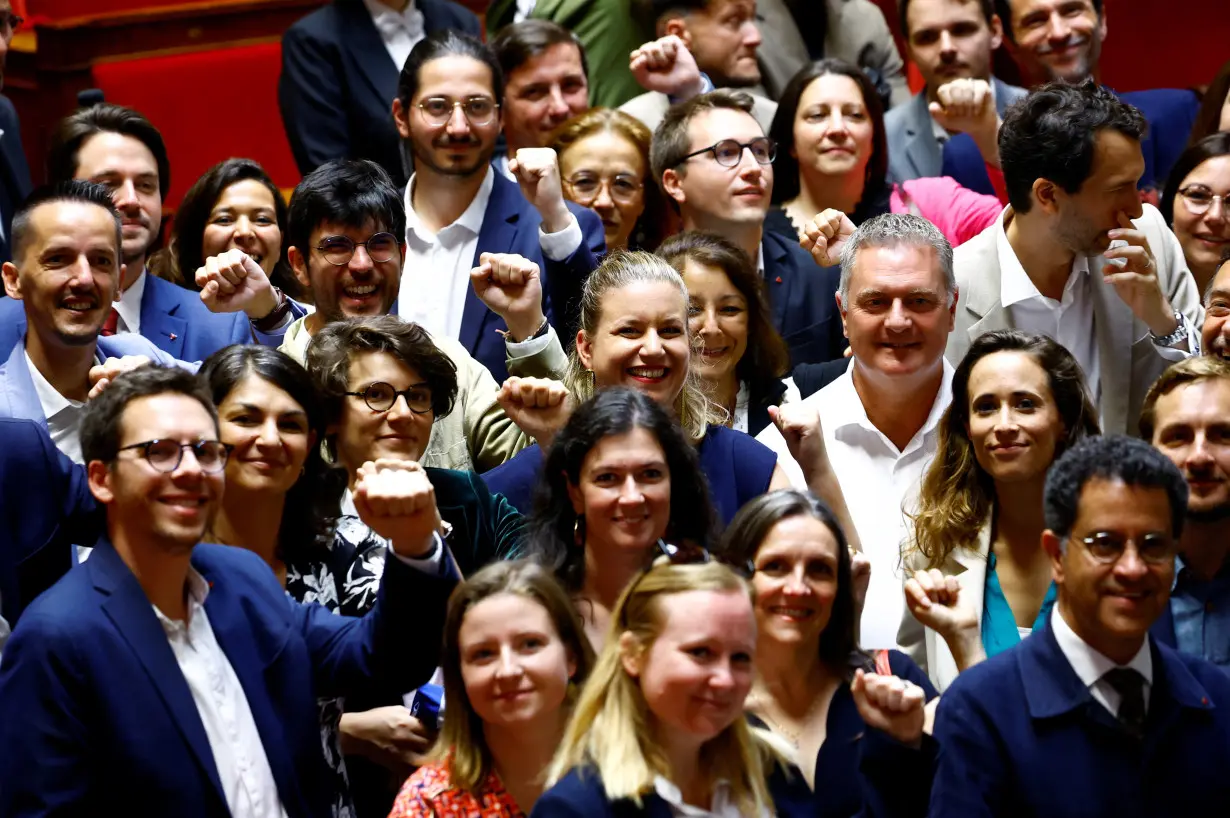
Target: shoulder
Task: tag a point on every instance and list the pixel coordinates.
(25, 442)
(580, 792)
(242, 569)
(906, 668)
(429, 782)
(857, 14)
(1161, 103)
(993, 680)
(722, 438)
(649, 104)
(444, 14)
(321, 24)
(68, 608)
(455, 487)
(978, 250)
(8, 113)
(130, 343)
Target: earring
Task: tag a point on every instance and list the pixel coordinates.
(578, 531)
(593, 382)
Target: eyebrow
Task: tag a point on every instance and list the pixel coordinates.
(252, 407)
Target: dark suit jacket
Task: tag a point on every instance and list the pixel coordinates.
(14, 174)
(811, 378)
(801, 295)
(338, 83)
(45, 507)
(92, 694)
(1020, 735)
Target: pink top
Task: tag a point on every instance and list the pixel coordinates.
(430, 794)
(959, 213)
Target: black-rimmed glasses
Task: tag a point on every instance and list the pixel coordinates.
(439, 110)
(1108, 547)
(339, 250)
(166, 455)
(729, 152)
(381, 396)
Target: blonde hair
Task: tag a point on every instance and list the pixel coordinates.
(611, 724)
(1190, 370)
(620, 269)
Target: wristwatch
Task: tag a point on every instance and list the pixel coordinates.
(1179, 334)
(274, 319)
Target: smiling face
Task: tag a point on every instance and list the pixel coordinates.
(1204, 235)
(1014, 423)
(1215, 334)
(724, 39)
(641, 341)
(542, 94)
(711, 196)
(457, 147)
(617, 167)
(795, 581)
(1060, 38)
(269, 430)
(514, 665)
(832, 131)
(1192, 428)
(363, 434)
(951, 39)
(128, 169)
(244, 218)
(360, 288)
(624, 492)
(717, 319)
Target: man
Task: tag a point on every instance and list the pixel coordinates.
(458, 207)
(339, 73)
(1075, 255)
(175, 677)
(66, 241)
(1090, 716)
(732, 199)
(1187, 418)
(1215, 335)
(14, 172)
(951, 42)
(880, 418)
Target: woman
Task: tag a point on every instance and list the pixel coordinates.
(1214, 113)
(832, 152)
(234, 205)
(514, 658)
(620, 476)
(981, 579)
(743, 360)
(1195, 205)
(604, 164)
(810, 682)
(634, 332)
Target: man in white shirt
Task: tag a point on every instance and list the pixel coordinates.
(177, 678)
(458, 207)
(1076, 256)
(880, 418)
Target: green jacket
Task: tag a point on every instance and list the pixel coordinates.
(485, 526)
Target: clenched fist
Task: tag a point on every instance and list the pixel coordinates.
(537, 172)
(395, 499)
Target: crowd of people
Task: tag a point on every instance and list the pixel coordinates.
(761, 440)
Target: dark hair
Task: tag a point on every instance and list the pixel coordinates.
(77, 127)
(447, 42)
(308, 506)
(183, 254)
(551, 528)
(72, 190)
(671, 142)
(100, 423)
(1113, 457)
(517, 43)
(1208, 118)
(1004, 9)
(347, 192)
(956, 494)
(767, 358)
(746, 534)
(1052, 134)
(1196, 155)
(987, 7)
(876, 188)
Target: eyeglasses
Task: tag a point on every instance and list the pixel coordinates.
(9, 23)
(1108, 547)
(729, 153)
(477, 110)
(339, 250)
(1199, 200)
(696, 555)
(624, 189)
(166, 455)
(381, 396)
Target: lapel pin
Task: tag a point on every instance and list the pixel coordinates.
(173, 335)
(779, 279)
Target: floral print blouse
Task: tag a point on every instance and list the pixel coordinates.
(429, 793)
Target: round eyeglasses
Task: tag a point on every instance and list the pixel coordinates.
(439, 110)
(729, 152)
(1108, 547)
(166, 455)
(381, 396)
(1199, 200)
(623, 189)
(339, 250)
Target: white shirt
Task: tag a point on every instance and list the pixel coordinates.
(524, 9)
(129, 306)
(1091, 666)
(400, 30)
(436, 275)
(63, 415)
(239, 755)
(879, 483)
(720, 805)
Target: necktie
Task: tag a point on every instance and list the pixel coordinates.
(111, 324)
(1130, 686)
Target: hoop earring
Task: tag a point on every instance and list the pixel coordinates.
(578, 531)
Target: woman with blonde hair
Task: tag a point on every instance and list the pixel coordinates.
(514, 658)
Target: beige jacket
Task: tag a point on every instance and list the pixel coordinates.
(476, 435)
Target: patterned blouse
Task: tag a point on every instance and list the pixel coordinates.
(429, 794)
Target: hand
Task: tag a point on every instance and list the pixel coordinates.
(936, 601)
(539, 406)
(800, 426)
(395, 499)
(101, 375)
(1135, 278)
(511, 287)
(860, 580)
(890, 705)
(826, 235)
(537, 172)
(390, 736)
(967, 106)
(666, 66)
(232, 281)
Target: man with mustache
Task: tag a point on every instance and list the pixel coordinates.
(14, 172)
(458, 207)
(1187, 418)
(1215, 335)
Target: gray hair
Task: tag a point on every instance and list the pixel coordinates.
(891, 230)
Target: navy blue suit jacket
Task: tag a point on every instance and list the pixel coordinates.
(14, 174)
(338, 83)
(92, 693)
(45, 507)
(1020, 735)
(801, 295)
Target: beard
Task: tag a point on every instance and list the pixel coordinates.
(425, 157)
(1216, 514)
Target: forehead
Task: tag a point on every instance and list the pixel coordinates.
(716, 124)
(1011, 369)
(631, 447)
(833, 89)
(166, 416)
(1117, 159)
(602, 150)
(719, 7)
(934, 13)
(1112, 505)
(359, 233)
(109, 152)
(707, 279)
(78, 223)
(724, 616)
(503, 613)
(1022, 8)
(369, 366)
(897, 268)
(1213, 173)
(245, 192)
(801, 533)
(645, 300)
(456, 76)
(1200, 403)
(255, 390)
(555, 59)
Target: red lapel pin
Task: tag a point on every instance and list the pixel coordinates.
(173, 336)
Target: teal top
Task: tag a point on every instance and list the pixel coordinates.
(999, 630)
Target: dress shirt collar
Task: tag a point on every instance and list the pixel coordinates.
(847, 407)
(760, 259)
(389, 21)
(720, 804)
(471, 219)
(129, 305)
(1015, 285)
(52, 402)
(198, 589)
(1089, 664)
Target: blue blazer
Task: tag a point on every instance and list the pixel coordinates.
(338, 83)
(14, 174)
(801, 295)
(510, 225)
(45, 507)
(92, 694)
(1020, 735)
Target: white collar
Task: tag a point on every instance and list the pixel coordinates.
(198, 589)
(760, 259)
(129, 305)
(847, 407)
(672, 795)
(379, 11)
(49, 398)
(471, 219)
(1015, 285)
(1089, 664)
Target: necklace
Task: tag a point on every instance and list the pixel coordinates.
(778, 723)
